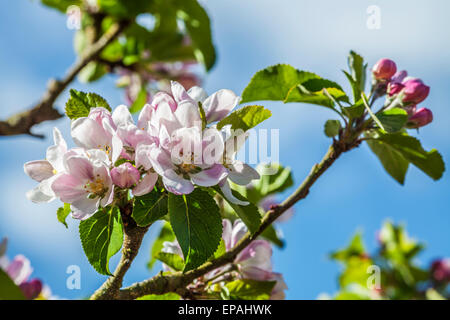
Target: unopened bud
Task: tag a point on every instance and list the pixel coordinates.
(384, 69)
(31, 289)
(125, 175)
(415, 91)
(420, 118)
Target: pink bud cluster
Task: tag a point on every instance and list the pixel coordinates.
(410, 91)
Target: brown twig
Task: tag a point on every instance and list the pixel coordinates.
(175, 282)
(22, 122)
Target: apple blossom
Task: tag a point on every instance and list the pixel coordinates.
(86, 185)
(96, 131)
(45, 171)
(181, 171)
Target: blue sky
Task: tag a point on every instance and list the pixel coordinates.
(250, 35)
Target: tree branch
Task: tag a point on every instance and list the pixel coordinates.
(21, 123)
(178, 281)
(133, 235)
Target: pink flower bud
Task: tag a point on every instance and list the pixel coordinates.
(384, 69)
(125, 175)
(420, 118)
(31, 289)
(394, 88)
(440, 270)
(415, 91)
(396, 83)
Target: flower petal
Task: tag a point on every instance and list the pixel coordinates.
(38, 170)
(146, 184)
(188, 114)
(225, 187)
(218, 105)
(197, 94)
(68, 188)
(161, 161)
(209, 177)
(19, 269)
(37, 195)
(241, 173)
(178, 92)
(176, 184)
(55, 154)
(226, 234)
(239, 230)
(256, 254)
(83, 208)
(122, 116)
(88, 134)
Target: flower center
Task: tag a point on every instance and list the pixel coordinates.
(95, 188)
(105, 148)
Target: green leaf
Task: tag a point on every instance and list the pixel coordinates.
(312, 91)
(174, 261)
(274, 178)
(271, 234)
(149, 208)
(355, 111)
(393, 120)
(355, 272)
(80, 103)
(124, 8)
(430, 162)
(198, 26)
(399, 247)
(166, 234)
(245, 118)
(92, 72)
(357, 75)
(61, 5)
(8, 289)
(196, 221)
(249, 214)
(354, 249)
(62, 213)
(140, 101)
(432, 294)
(392, 160)
(166, 296)
(285, 83)
(102, 236)
(246, 289)
(332, 128)
(220, 250)
(274, 83)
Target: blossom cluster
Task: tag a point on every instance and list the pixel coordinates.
(404, 91)
(175, 144)
(254, 262)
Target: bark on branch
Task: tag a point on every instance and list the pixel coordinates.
(177, 282)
